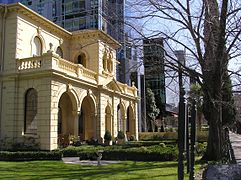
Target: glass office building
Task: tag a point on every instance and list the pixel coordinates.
(154, 67)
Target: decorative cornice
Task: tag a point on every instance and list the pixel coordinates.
(97, 35)
(21, 9)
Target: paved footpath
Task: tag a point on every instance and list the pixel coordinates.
(75, 160)
(235, 140)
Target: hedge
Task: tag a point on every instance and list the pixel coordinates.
(202, 136)
(154, 136)
(30, 155)
(153, 153)
(72, 151)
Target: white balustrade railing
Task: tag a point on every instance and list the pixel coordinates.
(67, 66)
(51, 61)
(88, 73)
(29, 63)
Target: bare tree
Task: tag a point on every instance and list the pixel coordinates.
(210, 33)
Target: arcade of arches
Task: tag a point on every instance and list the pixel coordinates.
(85, 122)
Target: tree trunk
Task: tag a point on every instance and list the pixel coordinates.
(152, 126)
(212, 110)
(214, 147)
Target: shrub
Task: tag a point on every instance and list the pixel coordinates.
(153, 153)
(154, 136)
(87, 156)
(150, 153)
(121, 135)
(202, 136)
(132, 138)
(170, 136)
(72, 151)
(162, 145)
(92, 141)
(107, 136)
(30, 155)
(74, 140)
(201, 148)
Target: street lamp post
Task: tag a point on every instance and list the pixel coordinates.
(193, 139)
(181, 127)
(187, 138)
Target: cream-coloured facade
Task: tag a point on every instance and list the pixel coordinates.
(54, 82)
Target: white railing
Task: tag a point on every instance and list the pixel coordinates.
(29, 63)
(88, 73)
(67, 66)
(52, 61)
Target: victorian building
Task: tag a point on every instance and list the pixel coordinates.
(54, 82)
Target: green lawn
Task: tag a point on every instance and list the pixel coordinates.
(59, 170)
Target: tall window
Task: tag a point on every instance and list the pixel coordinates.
(37, 47)
(82, 59)
(30, 121)
(59, 51)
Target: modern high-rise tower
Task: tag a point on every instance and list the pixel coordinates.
(154, 59)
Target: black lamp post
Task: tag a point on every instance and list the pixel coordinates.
(187, 138)
(193, 139)
(181, 128)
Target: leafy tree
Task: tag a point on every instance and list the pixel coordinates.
(151, 110)
(196, 94)
(160, 105)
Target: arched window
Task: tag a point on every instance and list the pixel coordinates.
(30, 121)
(82, 59)
(37, 46)
(59, 51)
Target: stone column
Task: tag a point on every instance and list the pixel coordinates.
(76, 122)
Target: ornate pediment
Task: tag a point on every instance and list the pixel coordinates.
(113, 85)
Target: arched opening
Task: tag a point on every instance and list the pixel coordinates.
(31, 102)
(59, 51)
(88, 118)
(81, 59)
(108, 120)
(130, 121)
(66, 119)
(59, 120)
(37, 46)
(121, 118)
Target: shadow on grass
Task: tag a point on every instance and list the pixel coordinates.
(57, 169)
